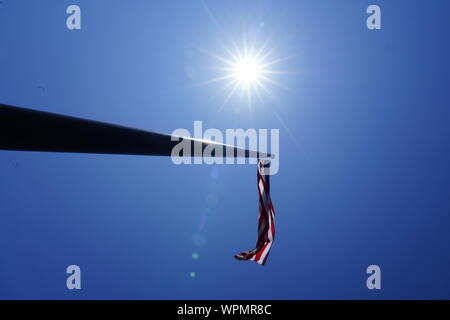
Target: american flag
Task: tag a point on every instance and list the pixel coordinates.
(266, 225)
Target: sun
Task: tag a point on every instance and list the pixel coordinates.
(247, 69)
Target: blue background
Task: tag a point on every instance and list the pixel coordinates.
(365, 135)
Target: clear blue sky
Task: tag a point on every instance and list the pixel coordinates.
(364, 136)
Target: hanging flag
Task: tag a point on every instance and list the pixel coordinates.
(266, 226)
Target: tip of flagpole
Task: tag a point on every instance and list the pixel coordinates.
(270, 156)
(266, 156)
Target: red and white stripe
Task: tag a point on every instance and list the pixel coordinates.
(266, 219)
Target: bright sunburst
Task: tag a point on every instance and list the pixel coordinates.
(247, 70)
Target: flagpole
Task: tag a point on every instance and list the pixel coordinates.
(24, 129)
